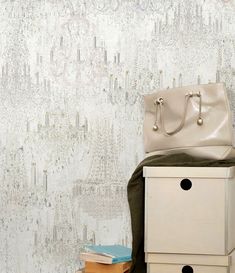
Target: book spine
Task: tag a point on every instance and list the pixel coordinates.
(121, 259)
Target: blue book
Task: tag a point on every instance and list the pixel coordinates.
(110, 254)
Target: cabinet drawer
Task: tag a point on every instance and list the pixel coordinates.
(188, 263)
(192, 213)
(172, 268)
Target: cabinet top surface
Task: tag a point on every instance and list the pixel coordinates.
(200, 172)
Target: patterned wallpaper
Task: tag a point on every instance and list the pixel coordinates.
(72, 76)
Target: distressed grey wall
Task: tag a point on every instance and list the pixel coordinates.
(72, 77)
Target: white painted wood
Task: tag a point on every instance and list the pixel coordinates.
(173, 263)
(232, 267)
(147, 217)
(231, 213)
(190, 222)
(213, 260)
(198, 172)
(174, 268)
(148, 269)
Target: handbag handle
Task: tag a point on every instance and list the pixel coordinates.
(160, 104)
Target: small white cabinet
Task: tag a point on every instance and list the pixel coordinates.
(189, 219)
(189, 210)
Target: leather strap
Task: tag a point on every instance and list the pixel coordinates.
(160, 104)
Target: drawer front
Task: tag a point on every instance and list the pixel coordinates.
(185, 216)
(171, 268)
(208, 260)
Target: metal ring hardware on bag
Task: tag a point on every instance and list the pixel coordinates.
(160, 104)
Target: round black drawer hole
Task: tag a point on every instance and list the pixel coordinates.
(186, 184)
(187, 269)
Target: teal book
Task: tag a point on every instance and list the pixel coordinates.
(110, 254)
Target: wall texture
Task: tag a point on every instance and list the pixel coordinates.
(72, 76)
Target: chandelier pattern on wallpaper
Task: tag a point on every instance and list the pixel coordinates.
(71, 83)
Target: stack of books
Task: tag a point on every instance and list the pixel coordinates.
(106, 259)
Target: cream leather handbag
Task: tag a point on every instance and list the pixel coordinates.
(196, 120)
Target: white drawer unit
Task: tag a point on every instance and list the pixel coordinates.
(182, 263)
(180, 268)
(189, 210)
